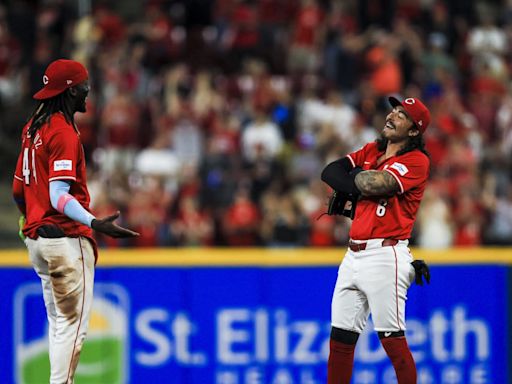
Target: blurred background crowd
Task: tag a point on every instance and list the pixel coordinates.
(209, 122)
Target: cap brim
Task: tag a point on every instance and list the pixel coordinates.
(46, 93)
(394, 101)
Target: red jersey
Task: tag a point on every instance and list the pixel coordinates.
(308, 20)
(56, 153)
(390, 217)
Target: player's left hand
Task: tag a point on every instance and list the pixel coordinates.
(109, 228)
(21, 224)
(422, 271)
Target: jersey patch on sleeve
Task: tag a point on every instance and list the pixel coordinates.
(401, 168)
(63, 165)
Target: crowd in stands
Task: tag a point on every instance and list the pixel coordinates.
(209, 122)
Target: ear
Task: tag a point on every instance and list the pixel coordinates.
(72, 91)
(413, 131)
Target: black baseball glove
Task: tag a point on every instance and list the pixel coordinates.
(338, 205)
(422, 271)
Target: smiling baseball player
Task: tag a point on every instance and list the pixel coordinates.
(50, 190)
(384, 182)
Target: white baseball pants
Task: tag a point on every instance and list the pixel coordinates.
(373, 280)
(66, 268)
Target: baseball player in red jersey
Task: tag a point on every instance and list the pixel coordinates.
(384, 181)
(50, 190)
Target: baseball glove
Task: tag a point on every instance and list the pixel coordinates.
(338, 205)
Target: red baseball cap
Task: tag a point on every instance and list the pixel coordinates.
(60, 75)
(415, 109)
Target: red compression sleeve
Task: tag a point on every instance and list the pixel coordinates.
(401, 358)
(341, 362)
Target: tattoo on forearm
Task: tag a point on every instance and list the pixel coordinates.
(376, 183)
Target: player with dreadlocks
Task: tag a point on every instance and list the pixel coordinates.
(50, 190)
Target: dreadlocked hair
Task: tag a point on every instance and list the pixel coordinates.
(46, 108)
(413, 142)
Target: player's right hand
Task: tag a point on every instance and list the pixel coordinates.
(109, 228)
(21, 224)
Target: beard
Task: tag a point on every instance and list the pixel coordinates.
(81, 104)
(83, 107)
(392, 136)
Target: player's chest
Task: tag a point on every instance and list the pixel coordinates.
(377, 161)
(42, 157)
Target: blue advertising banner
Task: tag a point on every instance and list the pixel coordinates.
(255, 325)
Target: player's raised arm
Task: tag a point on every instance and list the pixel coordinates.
(376, 183)
(339, 176)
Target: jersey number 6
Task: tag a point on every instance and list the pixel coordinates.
(381, 208)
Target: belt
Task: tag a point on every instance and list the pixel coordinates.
(356, 247)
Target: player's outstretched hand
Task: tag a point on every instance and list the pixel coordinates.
(109, 228)
(422, 271)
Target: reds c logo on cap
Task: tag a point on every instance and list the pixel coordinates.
(416, 110)
(59, 76)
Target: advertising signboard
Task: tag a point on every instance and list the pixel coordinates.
(255, 325)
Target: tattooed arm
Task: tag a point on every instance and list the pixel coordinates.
(376, 183)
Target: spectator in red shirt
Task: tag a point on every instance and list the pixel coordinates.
(242, 220)
(468, 222)
(120, 125)
(192, 227)
(307, 37)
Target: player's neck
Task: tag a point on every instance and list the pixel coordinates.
(393, 148)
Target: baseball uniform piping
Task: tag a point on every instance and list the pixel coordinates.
(398, 180)
(396, 289)
(62, 178)
(352, 161)
(81, 309)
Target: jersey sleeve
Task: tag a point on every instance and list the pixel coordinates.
(18, 172)
(358, 157)
(410, 170)
(63, 151)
